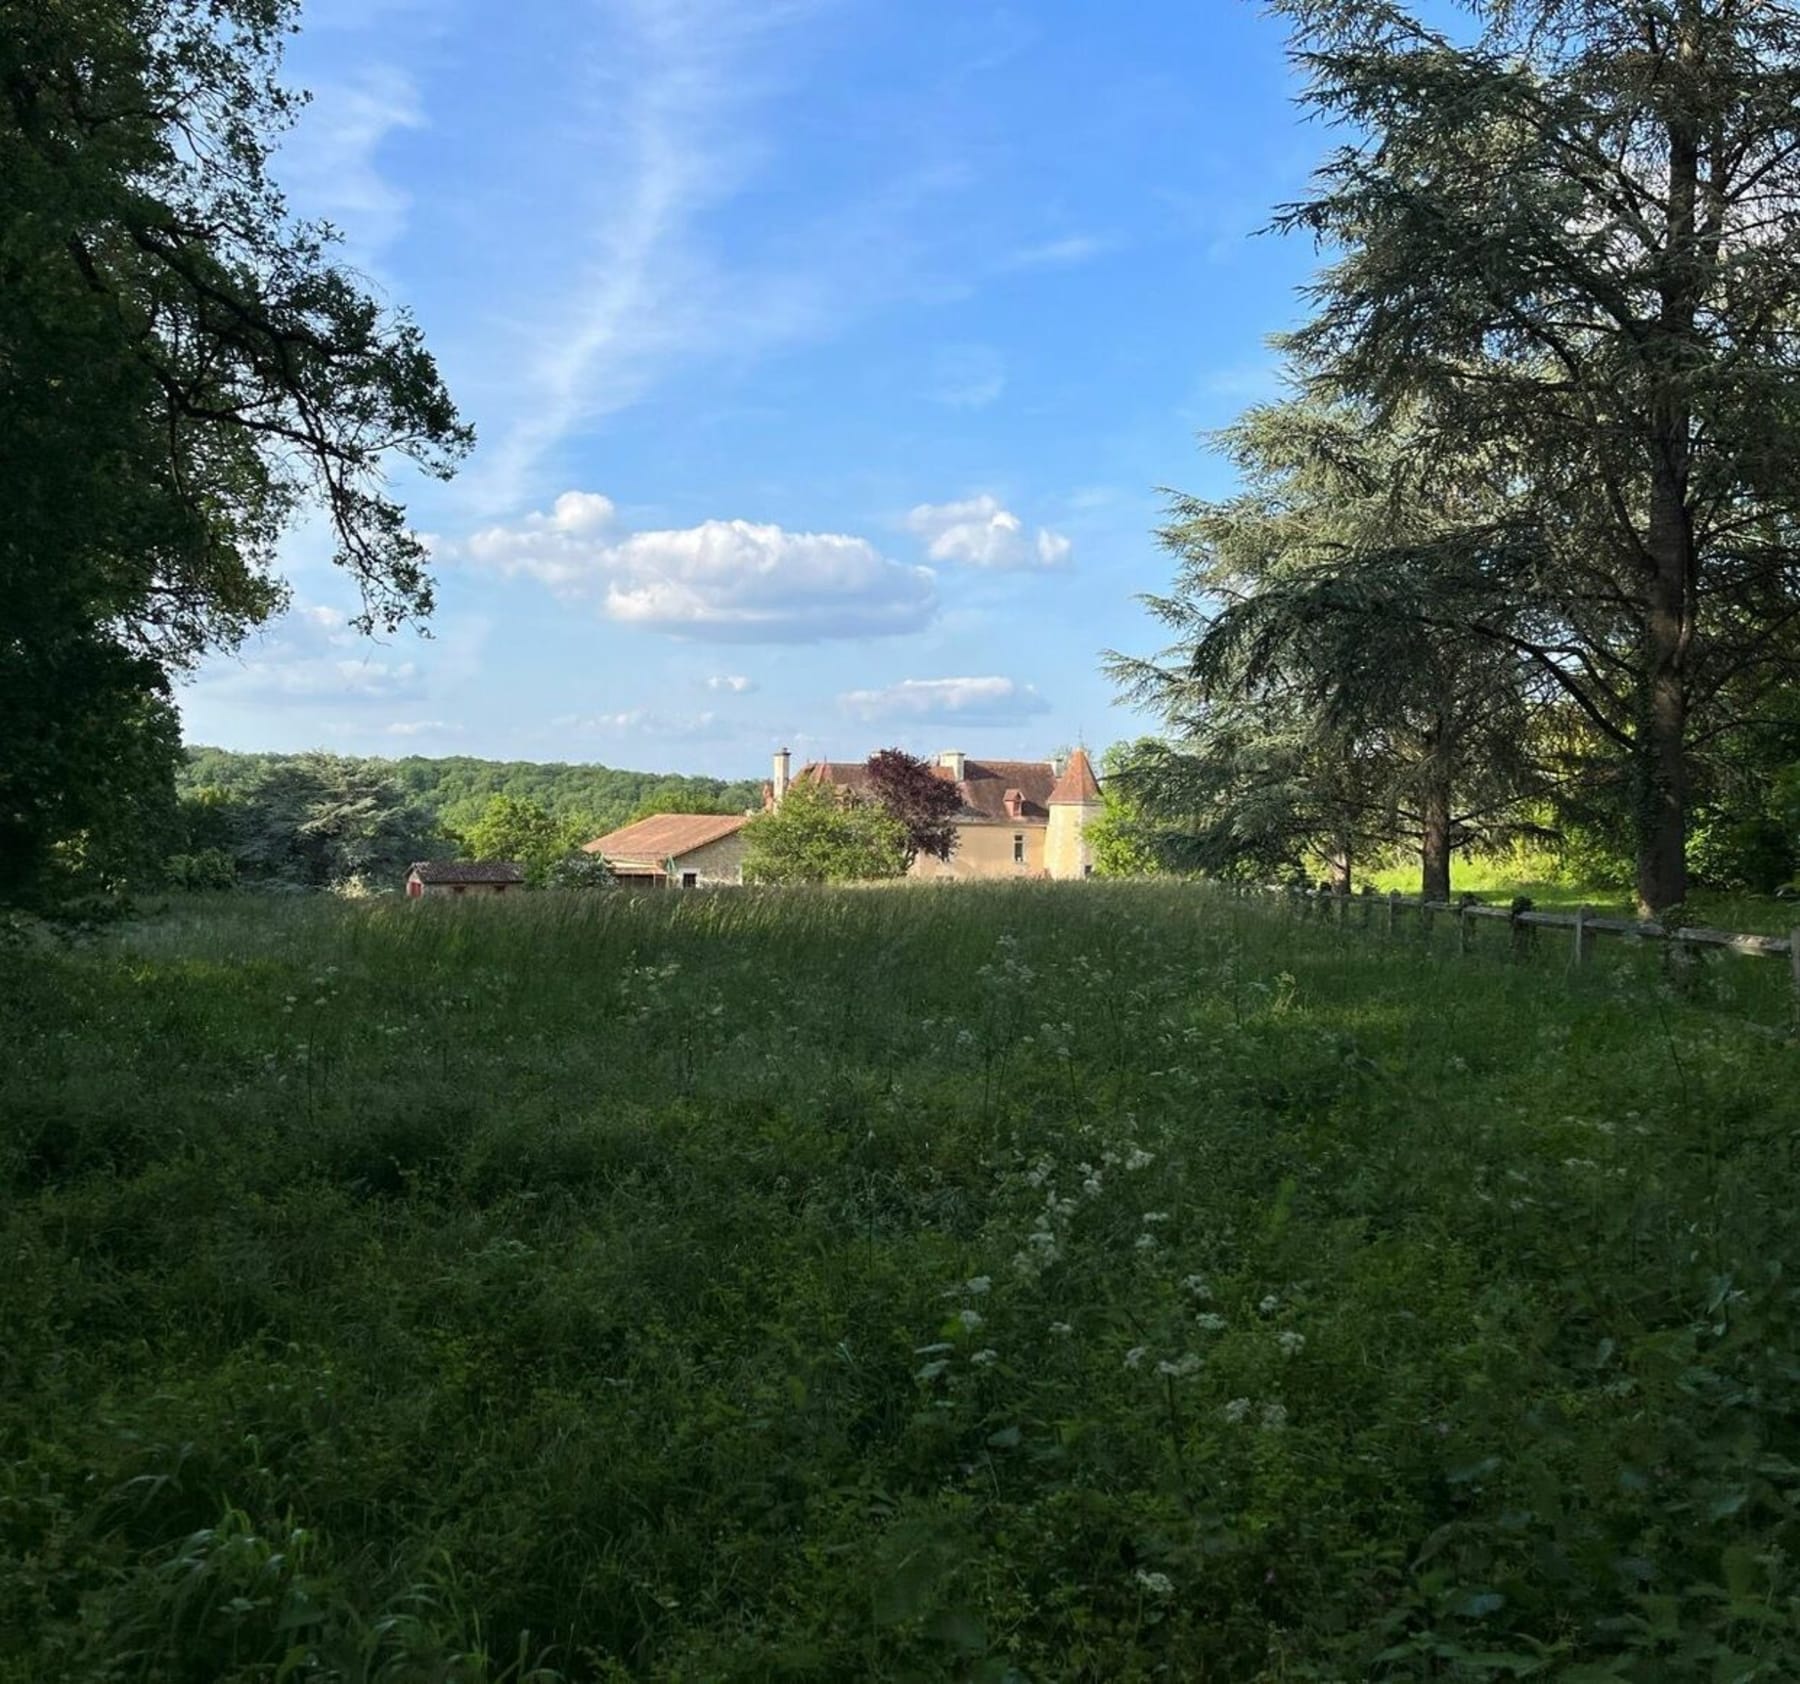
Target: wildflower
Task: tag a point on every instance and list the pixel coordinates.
(1146, 1242)
(979, 1285)
(932, 1369)
(1269, 1305)
(1135, 1355)
(1291, 1343)
(971, 1319)
(1196, 1284)
(1157, 1584)
(1274, 1417)
(1138, 1158)
(1061, 1329)
(1091, 1186)
(1238, 1411)
(1152, 1217)
(1210, 1321)
(1041, 1237)
(1181, 1369)
(985, 1359)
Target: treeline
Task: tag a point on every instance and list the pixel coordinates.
(315, 821)
(1519, 552)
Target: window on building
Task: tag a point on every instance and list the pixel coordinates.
(1019, 850)
(1087, 871)
(690, 879)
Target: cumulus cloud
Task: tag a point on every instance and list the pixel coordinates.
(991, 699)
(723, 579)
(978, 532)
(735, 683)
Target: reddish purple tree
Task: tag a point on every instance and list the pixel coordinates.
(925, 803)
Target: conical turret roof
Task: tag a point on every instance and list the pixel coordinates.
(1077, 787)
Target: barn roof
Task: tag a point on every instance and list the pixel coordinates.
(468, 871)
(666, 836)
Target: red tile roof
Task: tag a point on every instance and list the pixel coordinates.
(983, 788)
(1078, 783)
(665, 836)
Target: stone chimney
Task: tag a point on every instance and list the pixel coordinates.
(957, 761)
(779, 783)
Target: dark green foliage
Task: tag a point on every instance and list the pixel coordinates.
(823, 834)
(182, 367)
(580, 1281)
(458, 788)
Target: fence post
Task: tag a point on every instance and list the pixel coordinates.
(1794, 971)
(1393, 911)
(1584, 937)
(1368, 904)
(1521, 933)
(1462, 923)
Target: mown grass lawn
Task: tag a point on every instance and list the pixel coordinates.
(1049, 1282)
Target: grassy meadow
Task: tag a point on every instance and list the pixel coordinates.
(1027, 1283)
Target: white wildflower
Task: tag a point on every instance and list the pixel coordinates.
(1135, 1355)
(1146, 1242)
(1157, 1584)
(1061, 1329)
(1181, 1368)
(1210, 1321)
(979, 1285)
(1091, 1186)
(1237, 1411)
(1196, 1284)
(985, 1359)
(932, 1369)
(1274, 1417)
(1152, 1217)
(1138, 1158)
(1291, 1343)
(1269, 1305)
(971, 1319)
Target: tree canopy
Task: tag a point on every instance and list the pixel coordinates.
(186, 368)
(821, 834)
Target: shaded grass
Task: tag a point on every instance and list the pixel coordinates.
(577, 1283)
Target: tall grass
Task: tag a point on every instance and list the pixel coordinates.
(1027, 1282)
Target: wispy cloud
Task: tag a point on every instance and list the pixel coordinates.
(965, 376)
(733, 580)
(330, 164)
(991, 700)
(733, 683)
(1059, 254)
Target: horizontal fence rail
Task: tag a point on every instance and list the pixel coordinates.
(1524, 920)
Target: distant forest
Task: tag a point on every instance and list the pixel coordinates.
(456, 789)
(319, 821)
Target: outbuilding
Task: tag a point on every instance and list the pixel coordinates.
(463, 877)
(675, 850)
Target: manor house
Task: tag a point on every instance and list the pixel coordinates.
(1018, 818)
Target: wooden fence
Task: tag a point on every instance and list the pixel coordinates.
(1525, 921)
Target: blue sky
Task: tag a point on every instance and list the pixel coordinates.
(825, 356)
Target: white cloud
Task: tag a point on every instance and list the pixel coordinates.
(641, 722)
(736, 683)
(991, 699)
(723, 579)
(978, 532)
(421, 728)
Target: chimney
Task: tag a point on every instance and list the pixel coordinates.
(780, 781)
(957, 761)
